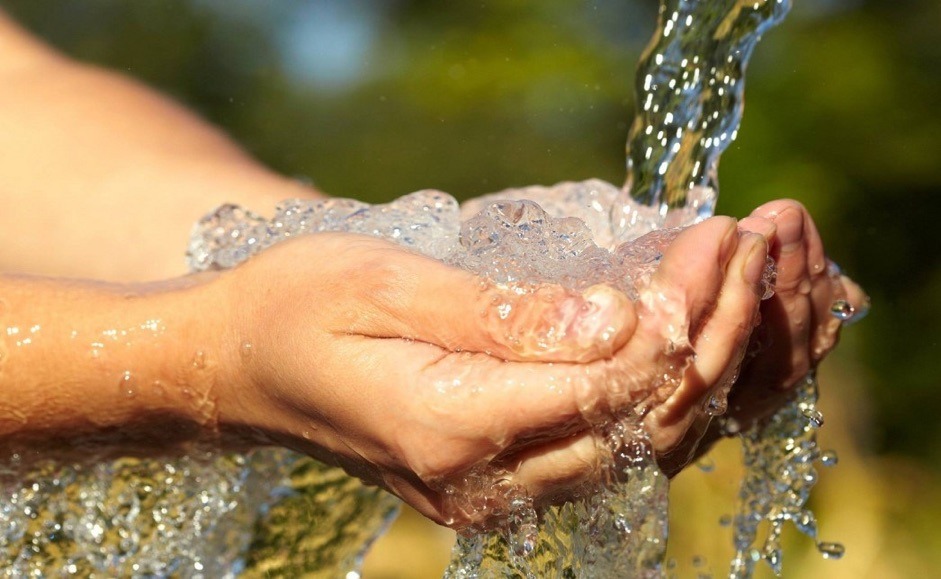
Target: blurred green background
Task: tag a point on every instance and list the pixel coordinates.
(376, 98)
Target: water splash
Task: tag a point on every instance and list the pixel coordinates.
(617, 529)
(779, 460)
(201, 515)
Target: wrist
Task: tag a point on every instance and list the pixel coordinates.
(96, 368)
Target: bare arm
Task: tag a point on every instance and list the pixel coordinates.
(136, 365)
(101, 177)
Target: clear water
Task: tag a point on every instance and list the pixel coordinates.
(779, 475)
(206, 515)
(689, 89)
(202, 515)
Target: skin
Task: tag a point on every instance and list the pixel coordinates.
(355, 360)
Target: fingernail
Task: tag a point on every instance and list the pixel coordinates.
(756, 260)
(764, 227)
(790, 224)
(729, 242)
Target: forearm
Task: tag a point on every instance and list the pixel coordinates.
(106, 362)
(101, 177)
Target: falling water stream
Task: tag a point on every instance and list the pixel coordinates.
(274, 511)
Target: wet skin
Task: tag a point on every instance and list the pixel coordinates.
(395, 366)
(410, 391)
(353, 355)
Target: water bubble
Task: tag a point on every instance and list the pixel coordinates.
(829, 458)
(842, 310)
(831, 550)
(246, 350)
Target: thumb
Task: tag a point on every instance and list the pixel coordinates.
(416, 297)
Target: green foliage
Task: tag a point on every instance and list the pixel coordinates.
(472, 97)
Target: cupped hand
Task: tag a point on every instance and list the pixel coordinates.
(798, 327)
(420, 377)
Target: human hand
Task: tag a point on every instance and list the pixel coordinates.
(403, 370)
(798, 328)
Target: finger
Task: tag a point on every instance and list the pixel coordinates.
(721, 344)
(719, 347)
(788, 316)
(552, 471)
(686, 284)
(826, 296)
(677, 300)
(416, 297)
(760, 225)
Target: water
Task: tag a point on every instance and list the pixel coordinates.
(215, 516)
(779, 475)
(689, 91)
(201, 515)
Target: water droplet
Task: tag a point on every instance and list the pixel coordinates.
(773, 557)
(246, 350)
(829, 458)
(126, 384)
(806, 523)
(814, 416)
(199, 360)
(842, 310)
(831, 550)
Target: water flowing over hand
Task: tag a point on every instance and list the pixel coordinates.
(396, 366)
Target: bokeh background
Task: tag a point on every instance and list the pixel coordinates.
(376, 98)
